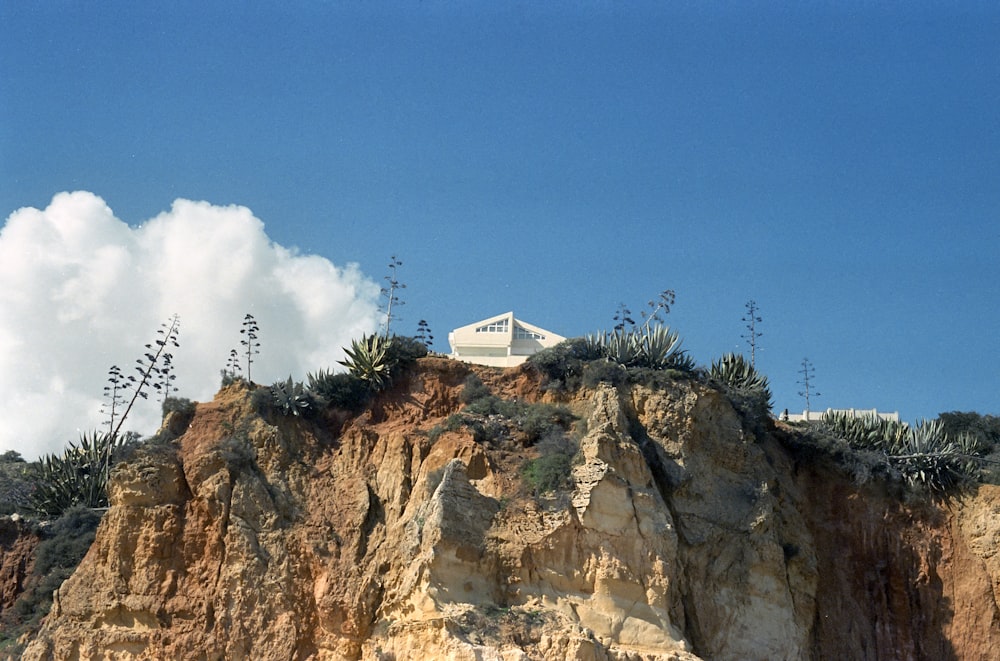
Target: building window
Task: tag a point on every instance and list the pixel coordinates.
(525, 334)
(496, 327)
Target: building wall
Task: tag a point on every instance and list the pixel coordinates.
(813, 416)
(494, 341)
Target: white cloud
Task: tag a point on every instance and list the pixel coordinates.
(81, 291)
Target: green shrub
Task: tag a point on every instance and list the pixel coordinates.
(485, 414)
(815, 444)
(227, 378)
(654, 378)
(564, 362)
(403, 351)
(63, 545)
(340, 391)
(238, 453)
(603, 371)
(492, 429)
(262, 400)
(180, 405)
(538, 421)
(984, 429)
(552, 469)
(584, 360)
(66, 540)
(15, 482)
(453, 422)
(473, 389)
(493, 405)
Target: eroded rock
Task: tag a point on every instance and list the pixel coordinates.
(687, 536)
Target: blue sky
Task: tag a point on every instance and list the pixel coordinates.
(837, 162)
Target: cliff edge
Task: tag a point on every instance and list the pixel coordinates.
(682, 533)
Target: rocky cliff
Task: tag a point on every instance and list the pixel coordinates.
(687, 534)
(18, 543)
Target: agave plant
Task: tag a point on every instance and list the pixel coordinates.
(657, 347)
(923, 454)
(291, 398)
(971, 449)
(928, 456)
(77, 477)
(339, 390)
(621, 347)
(368, 360)
(593, 346)
(864, 432)
(682, 361)
(735, 372)
(319, 380)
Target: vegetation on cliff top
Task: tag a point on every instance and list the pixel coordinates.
(933, 456)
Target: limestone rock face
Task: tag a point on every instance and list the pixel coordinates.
(736, 510)
(687, 535)
(17, 548)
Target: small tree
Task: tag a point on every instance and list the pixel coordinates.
(658, 306)
(249, 342)
(984, 428)
(80, 475)
(623, 318)
(165, 377)
(233, 368)
(751, 319)
(424, 333)
(807, 391)
(114, 394)
(389, 295)
(150, 367)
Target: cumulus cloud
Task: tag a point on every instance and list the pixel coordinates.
(80, 291)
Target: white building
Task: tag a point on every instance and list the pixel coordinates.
(814, 416)
(500, 341)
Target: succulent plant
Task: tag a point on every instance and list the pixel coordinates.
(368, 360)
(683, 361)
(736, 373)
(291, 398)
(621, 347)
(339, 390)
(77, 477)
(655, 347)
(924, 454)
